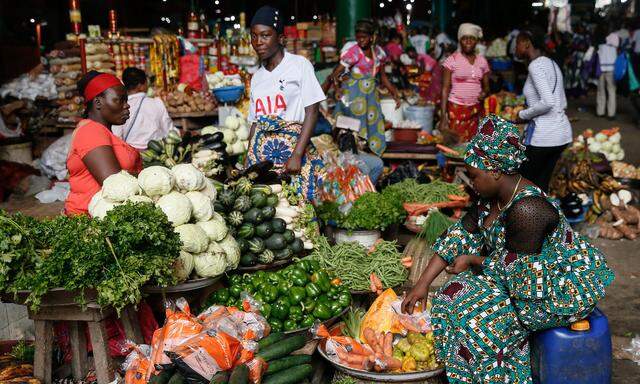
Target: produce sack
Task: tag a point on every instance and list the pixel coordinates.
(344, 349)
(204, 355)
(344, 181)
(419, 321)
(190, 71)
(381, 317)
(179, 326)
(136, 364)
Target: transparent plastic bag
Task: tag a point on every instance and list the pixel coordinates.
(137, 363)
(419, 321)
(344, 349)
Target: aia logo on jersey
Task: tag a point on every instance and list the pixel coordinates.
(271, 105)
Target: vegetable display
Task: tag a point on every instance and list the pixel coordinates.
(206, 152)
(292, 298)
(355, 264)
(266, 226)
(187, 199)
(186, 100)
(606, 142)
(434, 225)
(235, 133)
(133, 245)
(410, 191)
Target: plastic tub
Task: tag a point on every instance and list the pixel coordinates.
(390, 112)
(405, 135)
(228, 94)
(422, 115)
(365, 238)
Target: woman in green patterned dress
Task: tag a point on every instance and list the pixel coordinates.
(518, 265)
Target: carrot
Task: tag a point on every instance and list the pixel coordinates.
(406, 259)
(445, 149)
(457, 197)
(388, 344)
(381, 342)
(370, 338)
(392, 363)
(376, 281)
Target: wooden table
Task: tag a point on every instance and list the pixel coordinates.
(185, 120)
(409, 151)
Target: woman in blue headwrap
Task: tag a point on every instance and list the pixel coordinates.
(531, 271)
(283, 109)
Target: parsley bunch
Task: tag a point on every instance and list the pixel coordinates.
(372, 211)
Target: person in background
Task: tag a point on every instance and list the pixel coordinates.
(635, 40)
(361, 100)
(283, 107)
(624, 35)
(149, 117)
(420, 41)
(465, 84)
(575, 80)
(517, 267)
(424, 61)
(95, 152)
(606, 96)
(549, 130)
(393, 49)
(442, 44)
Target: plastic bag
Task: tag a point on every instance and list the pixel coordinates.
(179, 326)
(53, 162)
(190, 73)
(381, 317)
(634, 349)
(344, 349)
(204, 355)
(419, 321)
(136, 364)
(344, 181)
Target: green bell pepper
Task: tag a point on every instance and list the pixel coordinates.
(297, 295)
(322, 311)
(313, 290)
(344, 298)
(290, 325)
(266, 310)
(322, 279)
(324, 299)
(280, 309)
(305, 265)
(276, 325)
(235, 291)
(283, 288)
(307, 321)
(259, 297)
(308, 305)
(333, 292)
(270, 293)
(295, 313)
(274, 279)
(235, 280)
(315, 265)
(299, 277)
(335, 307)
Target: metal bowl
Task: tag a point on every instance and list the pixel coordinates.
(263, 267)
(187, 286)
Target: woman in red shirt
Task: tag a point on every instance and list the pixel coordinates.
(95, 152)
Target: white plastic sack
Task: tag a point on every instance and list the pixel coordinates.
(53, 162)
(59, 192)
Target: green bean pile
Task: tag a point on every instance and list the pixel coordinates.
(434, 192)
(353, 265)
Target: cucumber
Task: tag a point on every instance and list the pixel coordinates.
(177, 378)
(161, 378)
(220, 378)
(240, 375)
(282, 348)
(287, 362)
(293, 375)
(270, 340)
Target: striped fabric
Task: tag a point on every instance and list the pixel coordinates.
(546, 103)
(466, 79)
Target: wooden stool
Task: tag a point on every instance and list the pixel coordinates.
(95, 317)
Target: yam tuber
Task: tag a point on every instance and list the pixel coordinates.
(609, 232)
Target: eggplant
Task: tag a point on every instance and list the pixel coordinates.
(212, 138)
(155, 146)
(217, 146)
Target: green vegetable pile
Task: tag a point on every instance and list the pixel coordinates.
(292, 298)
(132, 246)
(410, 191)
(435, 224)
(355, 264)
(370, 211)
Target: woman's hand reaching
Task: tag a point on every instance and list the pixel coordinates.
(418, 293)
(294, 164)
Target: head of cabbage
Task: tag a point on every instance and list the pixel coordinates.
(156, 180)
(183, 266)
(120, 186)
(201, 205)
(188, 177)
(211, 263)
(215, 229)
(99, 206)
(193, 238)
(176, 206)
(231, 250)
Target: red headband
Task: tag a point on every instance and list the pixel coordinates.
(99, 84)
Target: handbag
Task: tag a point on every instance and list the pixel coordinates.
(620, 66)
(531, 126)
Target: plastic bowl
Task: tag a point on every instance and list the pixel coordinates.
(228, 94)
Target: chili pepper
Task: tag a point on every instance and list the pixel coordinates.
(297, 295)
(344, 298)
(270, 293)
(299, 277)
(335, 307)
(322, 279)
(322, 311)
(313, 290)
(307, 321)
(295, 313)
(309, 304)
(276, 325)
(235, 291)
(280, 309)
(266, 310)
(290, 325)
(336, 282)
(222, 295)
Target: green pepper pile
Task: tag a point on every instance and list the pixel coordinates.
(292, 298)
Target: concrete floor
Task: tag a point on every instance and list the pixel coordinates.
(622, 303)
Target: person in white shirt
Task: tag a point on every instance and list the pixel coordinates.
(443, 41)
(420, 42)
(635, 41)
(549, 130)
(606, 96)
(283, 106)
(149, 119)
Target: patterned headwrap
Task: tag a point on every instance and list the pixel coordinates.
(496, 146)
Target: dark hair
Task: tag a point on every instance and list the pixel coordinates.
(410, 49)
(82, 85)
(535, 36)
(365, 26)
(132, 77)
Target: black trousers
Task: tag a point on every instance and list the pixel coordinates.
(540, 164)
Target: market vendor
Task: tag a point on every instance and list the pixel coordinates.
(465, 84)
(95, 152)
(360, 98)
(149, 119)
(531, 271)
(283, 110)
